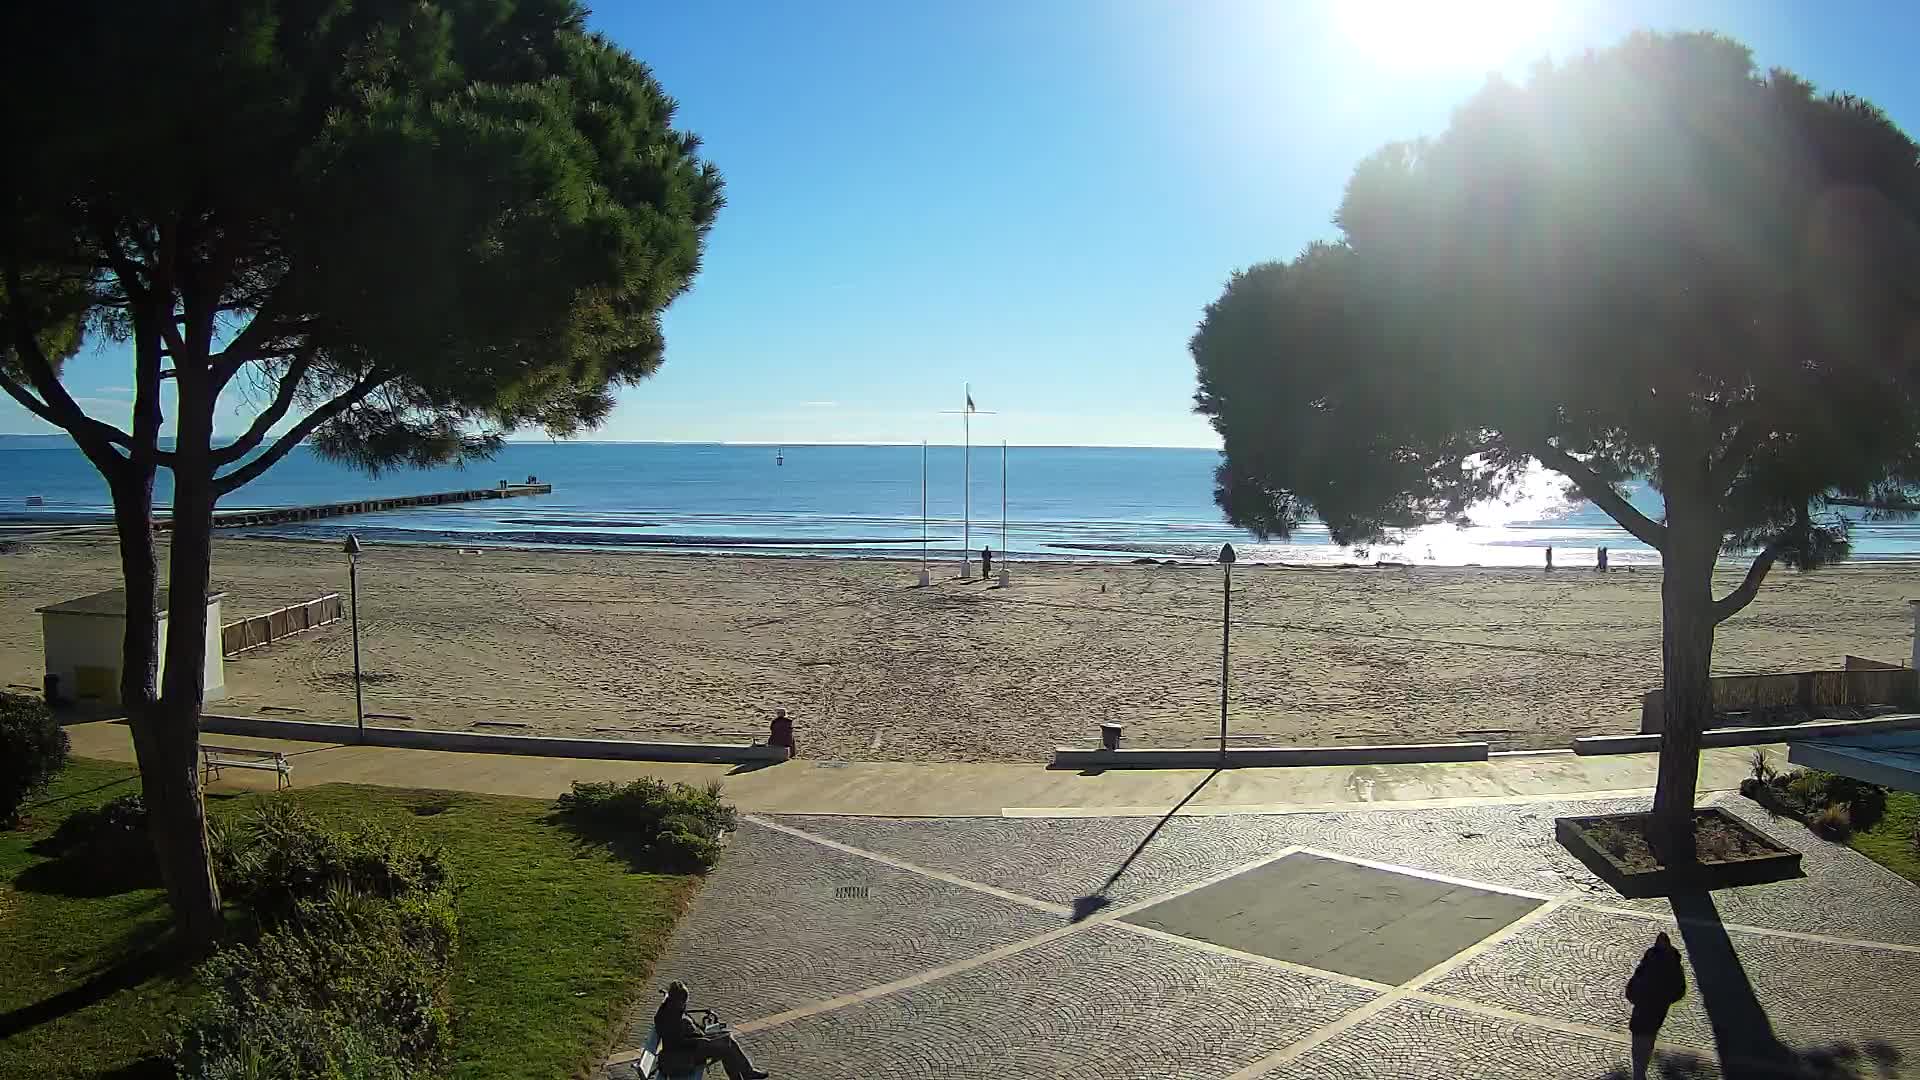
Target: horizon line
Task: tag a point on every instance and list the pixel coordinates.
(728, 442)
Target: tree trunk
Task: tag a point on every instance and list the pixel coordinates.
(1686, 660)
(140, 660)
(175, 806)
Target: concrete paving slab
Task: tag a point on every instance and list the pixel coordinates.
(1419, 1040)
(784, 922)
(1098, 1004)
(1573, 964)
(1340, 916)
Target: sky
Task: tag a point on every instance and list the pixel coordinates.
(1039, 199)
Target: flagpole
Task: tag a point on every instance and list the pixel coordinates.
(966, 486)
(924, 577)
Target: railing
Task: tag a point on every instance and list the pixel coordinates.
(251, 633)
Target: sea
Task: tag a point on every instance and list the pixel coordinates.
(1071, 503)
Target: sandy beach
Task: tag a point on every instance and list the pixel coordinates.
(629, 646)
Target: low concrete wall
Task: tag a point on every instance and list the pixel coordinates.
(1812, 689)
(1149, 757)
(477, 743)
(1750, 736)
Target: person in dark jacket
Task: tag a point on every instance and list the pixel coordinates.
(986, 563)
(1656, 984)
(685, 1045)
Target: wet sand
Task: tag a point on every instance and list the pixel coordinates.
(680, 646)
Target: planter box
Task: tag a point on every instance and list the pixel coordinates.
(1761, 861)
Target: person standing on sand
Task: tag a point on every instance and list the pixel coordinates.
(1549, 558)
(986, 562)
(1656, 984)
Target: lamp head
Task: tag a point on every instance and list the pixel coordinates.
(1226, 555)
(352, 546)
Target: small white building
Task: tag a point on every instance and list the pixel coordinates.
(84, 640)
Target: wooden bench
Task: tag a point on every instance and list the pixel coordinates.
(215, 758)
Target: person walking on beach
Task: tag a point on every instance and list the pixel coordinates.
(986, 562)
(686, 1046)
(1549, 558)
(1656, 984)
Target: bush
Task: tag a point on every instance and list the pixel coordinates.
(1833, 822)
(670, 826)
(1810, 794)
(107, 845)
(278, 857)
(349, 976)
(33, 747)
(349, 986)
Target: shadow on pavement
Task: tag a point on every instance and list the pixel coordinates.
(1086, 906)
(1743, 1034)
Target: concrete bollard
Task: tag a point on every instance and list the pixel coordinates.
(782, 734)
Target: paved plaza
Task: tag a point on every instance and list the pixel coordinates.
(1450, 943)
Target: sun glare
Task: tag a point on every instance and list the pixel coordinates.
(1439, 35)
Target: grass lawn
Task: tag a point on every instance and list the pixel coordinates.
(556, 938)
(1890, 841)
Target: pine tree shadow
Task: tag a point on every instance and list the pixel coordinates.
(1743, 1035)
(151, 954)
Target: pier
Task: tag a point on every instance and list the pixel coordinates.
(281, 515)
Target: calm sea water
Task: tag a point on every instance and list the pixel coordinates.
(1061, 503)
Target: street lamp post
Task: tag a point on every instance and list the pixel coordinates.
(352, 547)
(1226, 632)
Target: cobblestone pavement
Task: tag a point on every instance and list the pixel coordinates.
(883, 948)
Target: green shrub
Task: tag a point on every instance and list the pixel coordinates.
(673, 827)
(350, 985)
(1809, 792)
(278, 857)
(33, 747)
(107, 845)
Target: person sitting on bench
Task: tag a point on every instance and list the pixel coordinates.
(686, 1046)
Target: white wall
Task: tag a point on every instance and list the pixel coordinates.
(75, 641)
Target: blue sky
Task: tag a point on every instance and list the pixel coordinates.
(1040, 198)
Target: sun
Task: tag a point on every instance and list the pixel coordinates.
(1443, 35)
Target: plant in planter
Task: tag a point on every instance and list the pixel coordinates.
(1831, 805)
(1834, 822)
(1621, 849)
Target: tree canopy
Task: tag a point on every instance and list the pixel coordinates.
(408, 226)
(401, 228)
(1648, 261)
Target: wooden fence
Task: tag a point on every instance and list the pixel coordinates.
(251, 633)
(1812, 689)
